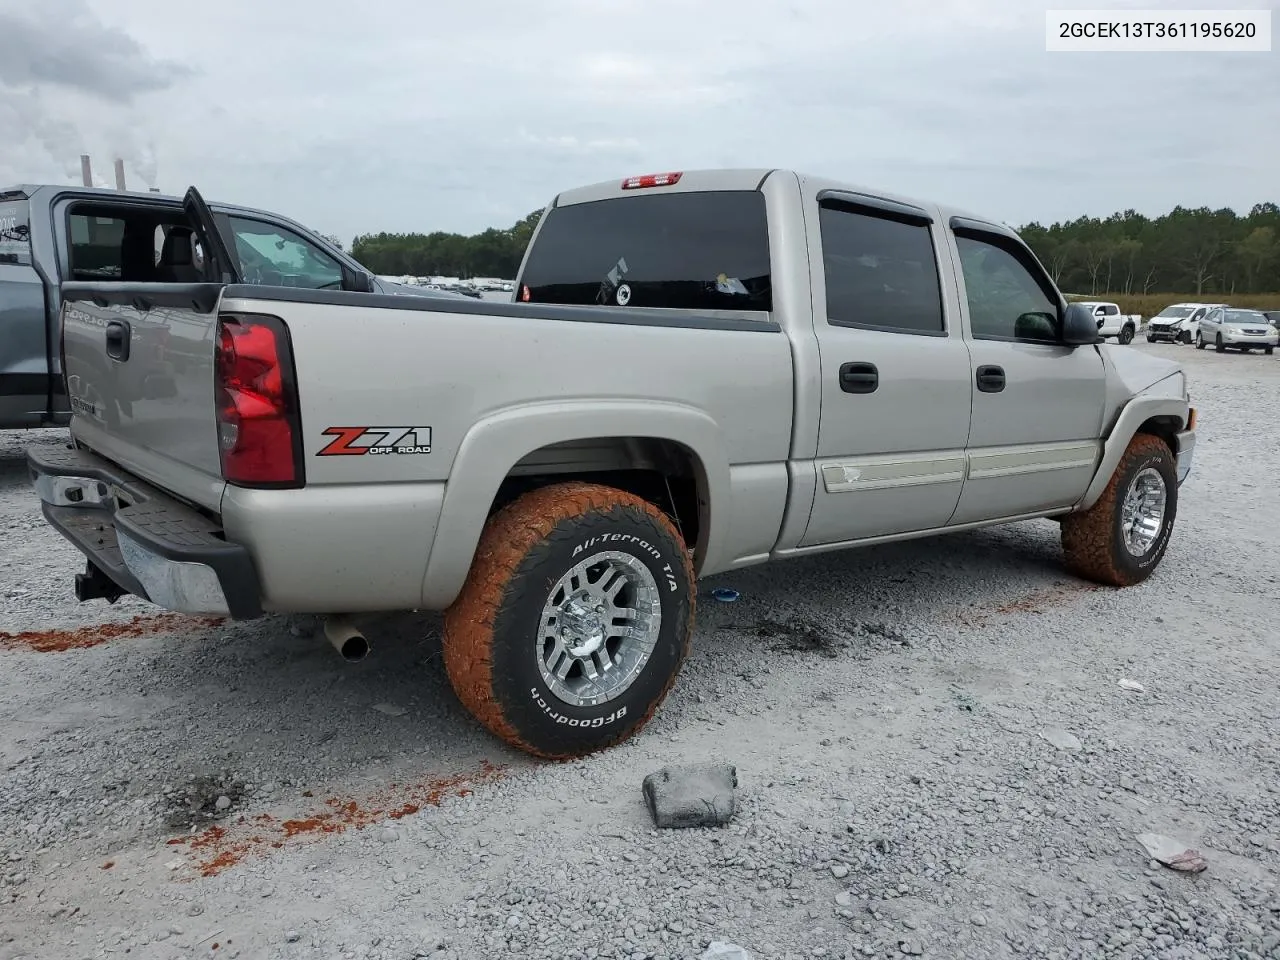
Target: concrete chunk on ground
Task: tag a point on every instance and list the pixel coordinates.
(694, 795)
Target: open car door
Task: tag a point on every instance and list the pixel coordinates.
(220, 265)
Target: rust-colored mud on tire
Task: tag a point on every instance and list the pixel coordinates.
(1101, 543)
(574, 621)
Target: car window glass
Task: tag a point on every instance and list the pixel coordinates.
(276, 256)
(879, 271)
(676, 251)
(15, 232)
(1006, 301)
(97, 247)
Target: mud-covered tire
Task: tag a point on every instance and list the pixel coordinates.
(492, 641)
(1093, 540)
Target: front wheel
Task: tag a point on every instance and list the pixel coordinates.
(1199, 341)
(1126, 335)
(1121, 539)
(1268, 350)
(1151, 338)
(574, 621)
(1218, 345)
(1184, 336)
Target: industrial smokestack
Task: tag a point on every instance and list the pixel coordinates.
(120, 174)
(86, 172)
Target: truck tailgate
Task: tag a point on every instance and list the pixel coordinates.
(139, 360)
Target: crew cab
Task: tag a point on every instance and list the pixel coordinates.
(699, 372)
(1112, 323)
(53, 234)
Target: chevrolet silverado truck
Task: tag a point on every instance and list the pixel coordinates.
(698, 372)
(53, 234)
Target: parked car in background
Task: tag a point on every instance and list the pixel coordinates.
(55, 233)
(1273, 316)
(1242, 330)
(1178, 323)
(809, 366)
(1113, 323)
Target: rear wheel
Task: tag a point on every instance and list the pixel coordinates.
(575, 619)
(1268, 350)
(1121, 539)
(1126, 334)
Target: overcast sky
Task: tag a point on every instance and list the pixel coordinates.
(419, 115)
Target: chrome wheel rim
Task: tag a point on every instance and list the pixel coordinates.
(1142, 513)
(598, 628)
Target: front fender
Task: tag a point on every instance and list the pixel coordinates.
(1162, 399)
(495, 444)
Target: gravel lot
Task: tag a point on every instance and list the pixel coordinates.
(176, 788)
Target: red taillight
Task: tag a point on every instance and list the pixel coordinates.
(651, 180)
(259, 434)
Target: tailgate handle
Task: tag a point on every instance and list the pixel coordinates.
(118, 340)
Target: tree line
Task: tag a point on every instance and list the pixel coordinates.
(492, 253)
(1197, 250)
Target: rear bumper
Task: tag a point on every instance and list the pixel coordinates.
(147, 543)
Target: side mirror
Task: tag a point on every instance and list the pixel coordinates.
(359, 282)
(1078, 326)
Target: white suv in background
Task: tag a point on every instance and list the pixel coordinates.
(1179, 322)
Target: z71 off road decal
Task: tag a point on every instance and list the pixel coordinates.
(375, 441)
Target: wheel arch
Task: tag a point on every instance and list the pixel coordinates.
(1161, 415)
(633, 445)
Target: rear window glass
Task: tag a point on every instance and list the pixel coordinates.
(683, 251)
(97, 247)
(15, 232)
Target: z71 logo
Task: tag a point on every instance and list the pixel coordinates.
(375, 441)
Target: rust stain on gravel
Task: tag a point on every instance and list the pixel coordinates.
(57, 641)
(1036, 602)
(216, 848)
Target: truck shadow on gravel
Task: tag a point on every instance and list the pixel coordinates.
(222, 722)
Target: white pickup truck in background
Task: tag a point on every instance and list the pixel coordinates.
(1112, 323)
(702, 371)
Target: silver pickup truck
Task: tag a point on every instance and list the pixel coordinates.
(701, 371)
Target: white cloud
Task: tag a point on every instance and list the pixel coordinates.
(398, 115)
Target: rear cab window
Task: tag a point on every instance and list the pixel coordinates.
(679, 251)
(15, 232)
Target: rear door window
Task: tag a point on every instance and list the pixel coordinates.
(15, 232)
(881, 272)
(681, 251)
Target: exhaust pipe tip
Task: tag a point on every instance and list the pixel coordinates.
(346, 638)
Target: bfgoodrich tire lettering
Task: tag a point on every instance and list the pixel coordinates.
(493, 641)
(1093, 541)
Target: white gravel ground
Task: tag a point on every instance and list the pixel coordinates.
(898, 793)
